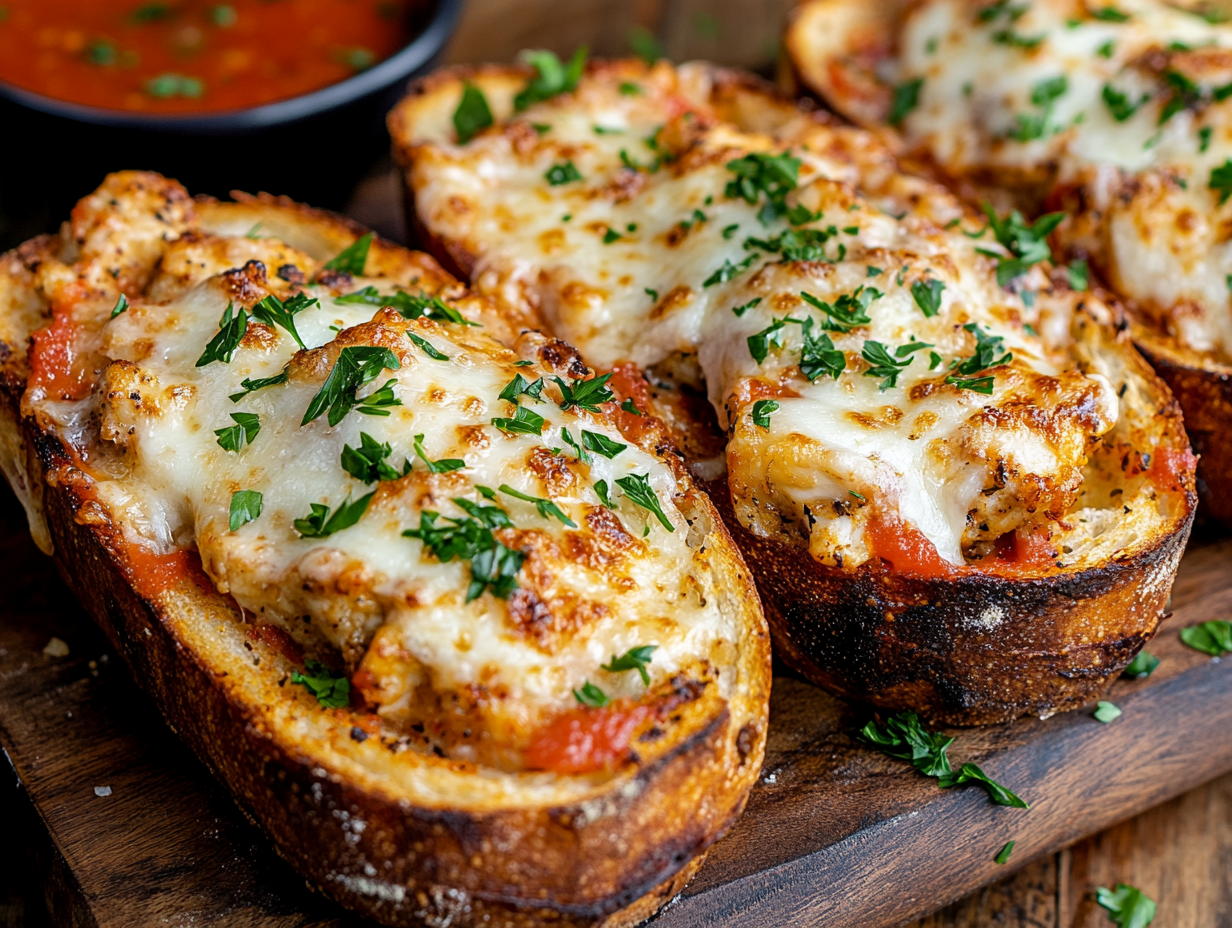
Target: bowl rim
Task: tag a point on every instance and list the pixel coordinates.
(419, 52)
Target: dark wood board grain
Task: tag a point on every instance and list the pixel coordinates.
(834, 833)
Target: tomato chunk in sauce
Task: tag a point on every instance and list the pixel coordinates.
(583, 740)
(182, 56)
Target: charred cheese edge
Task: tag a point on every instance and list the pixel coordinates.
(475, 678)
(1118, 113)
(611, 210)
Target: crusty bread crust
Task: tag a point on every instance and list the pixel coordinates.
(429, 844)
(978, 649)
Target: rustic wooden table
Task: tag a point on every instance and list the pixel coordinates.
(1179, 853)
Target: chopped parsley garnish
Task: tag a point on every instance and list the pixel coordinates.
(234, 437)
(1017, 40)
(1106, 712)
(630, 89)
(120, 307)
(585, 394)
(927, 295)
(520, 386)
(761, 412)
(1044, 94)
(150, 13)
(818, 355)
(581, 452)
(367, 462)
(1110, 14)
(470, 538)
(320, 523)
(729, 231)
(551, 77)
(967, 373)
(333, 692)
(1079, 275)
(903, 737)
(1204, 138)
(634, 659)
(728, 271)
(356, 366)
(1221, 180)
(563, 173)
(427, 347)
(629, 406)
(1213, 638)
(175, 85)
(745, 307)
(637, 487)
(883, 364)
(1185, 94)
(472, 115)
(906, 98)
(653, 294)
(545, 507)
(409, 305)
(611, 235)
(591, 696)
(351, 260)
(601, 444)
(601, 490)
(799, 244)
(1119, 104)
(1127, 906)
(245, 507)
(221, 347)
(761, 342)
(274, 312)
(525, 421)
(1143, 665)
(848, 311)
(760, 173)
(1106, 50)
(1027, 242)
(260, 383)
(1003, 855)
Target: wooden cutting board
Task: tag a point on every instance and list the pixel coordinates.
(834, 834)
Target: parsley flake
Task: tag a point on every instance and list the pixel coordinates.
(728, 271)
(969, 373)
(761, 412)
(367, 462)
(1027, 242)
(1127, 906)
(274, 312)
(745, 307)
(1143, 665)
(470, 538)
(120, 307)
(352, 259)
(585, 394)
(906, 98)
(524, 421)
(473, 114)
(563, 173)
(234, 437)
(847, 312)
(601, 444)
(637, 487)
(1003, 855)
(332, 692)
(1119, 104)
(1213, 638)
(545, 507)
(427, 347)
(551, 77)
(818, 355)
(221, 347)
(761, 174)
(883, 364)
(591, 696)
(260, 383)
(1221, 180)
(520, 386)
(245, 507)
(321, 523)
(1106, 712)
(356, 366)
(634, 659)
(927, 295)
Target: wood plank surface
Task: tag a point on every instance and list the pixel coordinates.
(834, 833)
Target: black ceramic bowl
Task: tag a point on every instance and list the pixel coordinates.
(313, 147)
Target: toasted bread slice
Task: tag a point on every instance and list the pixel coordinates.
(1117, 118)
(455, 679)
(881, 394)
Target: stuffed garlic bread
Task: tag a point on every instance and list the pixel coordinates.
(958, 493)
(467, 650)
(1115, 114)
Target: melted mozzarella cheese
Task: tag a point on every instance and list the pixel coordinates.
(613, 580)
(1120, 124)
(834, 451)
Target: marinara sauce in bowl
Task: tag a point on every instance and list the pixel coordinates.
(287, 96)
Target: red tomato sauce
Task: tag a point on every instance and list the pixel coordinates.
(1025, 550)
(584, 740)
(152, 574)
(906, 548)
(1167, 466)
(191, 56)
(52, 357)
